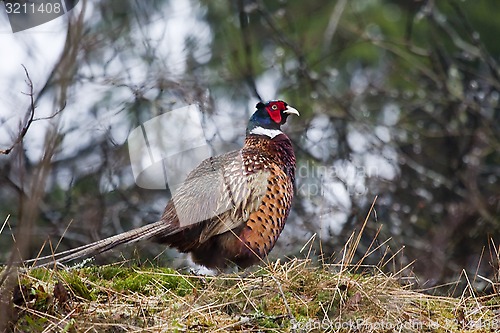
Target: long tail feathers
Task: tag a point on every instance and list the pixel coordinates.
(142, 233)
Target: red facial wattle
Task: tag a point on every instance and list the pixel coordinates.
(274, 111)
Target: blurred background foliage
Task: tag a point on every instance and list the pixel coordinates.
(398, 99)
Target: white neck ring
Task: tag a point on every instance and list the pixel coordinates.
(266, 131)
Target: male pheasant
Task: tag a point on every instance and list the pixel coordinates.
(231, 209)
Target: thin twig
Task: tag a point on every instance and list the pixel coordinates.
(52, 115)
(31, 114)
(247, 50)
(288, 309)
(332, 24)
(4, 223)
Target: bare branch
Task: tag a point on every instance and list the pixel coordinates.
(332, 25)
(52, 115)
(31, 113)
(247, 53)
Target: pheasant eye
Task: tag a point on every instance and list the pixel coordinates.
(274, 107)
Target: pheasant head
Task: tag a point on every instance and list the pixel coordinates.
(269, 117)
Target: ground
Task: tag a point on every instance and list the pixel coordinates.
(296, 296)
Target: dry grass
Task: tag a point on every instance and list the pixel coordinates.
(300, 295)
(296, 296)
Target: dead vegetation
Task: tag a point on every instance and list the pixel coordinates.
(296, 296)
(299, 295)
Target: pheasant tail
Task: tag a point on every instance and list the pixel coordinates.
(143, 233)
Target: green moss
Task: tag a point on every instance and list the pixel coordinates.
(140, 280)
(132, 283)
(43, 300)
(69, 327)
(28, 323)
(175, 282)
(493, 301)
(42, 274)
(108, 273)
(78, 286)
(265, 321)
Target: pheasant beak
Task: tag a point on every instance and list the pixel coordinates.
(291, 110)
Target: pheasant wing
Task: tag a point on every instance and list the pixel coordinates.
(221, 191)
